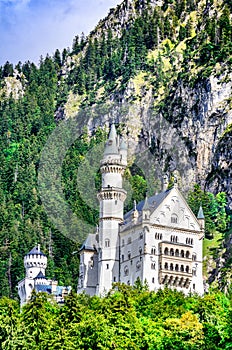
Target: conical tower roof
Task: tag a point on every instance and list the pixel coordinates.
(112, 142)
(123, 145)
(36, 250)
(146, 204)
(200, 214)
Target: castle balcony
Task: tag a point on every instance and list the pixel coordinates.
(113, 162)
(175, 251)
(175, 279)
(112, 193)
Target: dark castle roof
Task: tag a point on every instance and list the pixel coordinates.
(90, 243)
(40, 275)
(151, 203)
(36, 250)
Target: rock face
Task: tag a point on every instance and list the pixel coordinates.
(195, 137)
(173, 107)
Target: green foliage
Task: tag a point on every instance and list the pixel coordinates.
(127, 318)
(214, 208)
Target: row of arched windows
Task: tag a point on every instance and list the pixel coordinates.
(176, 281)
(177, 252)
(158, 235)
(176, 267)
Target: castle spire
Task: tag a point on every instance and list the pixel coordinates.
(200, 214)
(201, 218)
(146, 205)
(112, 142)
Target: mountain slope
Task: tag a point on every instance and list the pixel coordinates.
(162, 71)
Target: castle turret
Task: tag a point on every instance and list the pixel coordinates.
(146, 209)
(35, 262)
(201, 218)
(111, 198)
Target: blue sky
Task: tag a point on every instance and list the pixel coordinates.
(31, 28)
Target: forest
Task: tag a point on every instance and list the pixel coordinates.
(127, 318)
(33, 102)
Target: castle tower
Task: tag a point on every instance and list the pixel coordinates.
(35, 263)
(111, 198)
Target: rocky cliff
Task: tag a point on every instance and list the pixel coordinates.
(183, 84)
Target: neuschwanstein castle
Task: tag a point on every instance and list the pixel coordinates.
(159, 241)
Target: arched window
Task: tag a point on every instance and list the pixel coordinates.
(172, 252)
(171, 267)
(129, 255)
(140, 250)
(126, 271)
(175, 281)
(165, 279)
(182, 253)
(107, 243)
(174, 219)
(153, 279)
(177, 267)
(177, 253)
(166, 251)
(153, 266)
(186, 283)
(153, 251)
(166, 266)
(138, 265)
(194, 257)
(187, 254)
(182, 268)
(187, 269)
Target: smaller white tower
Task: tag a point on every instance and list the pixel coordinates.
(35, 263)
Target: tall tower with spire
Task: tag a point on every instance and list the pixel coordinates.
(111, 198)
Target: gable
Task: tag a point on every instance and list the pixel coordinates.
(175, 212)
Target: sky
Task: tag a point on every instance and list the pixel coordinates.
(31, 28)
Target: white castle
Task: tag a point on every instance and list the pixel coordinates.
(35, 263)
(159, 241)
